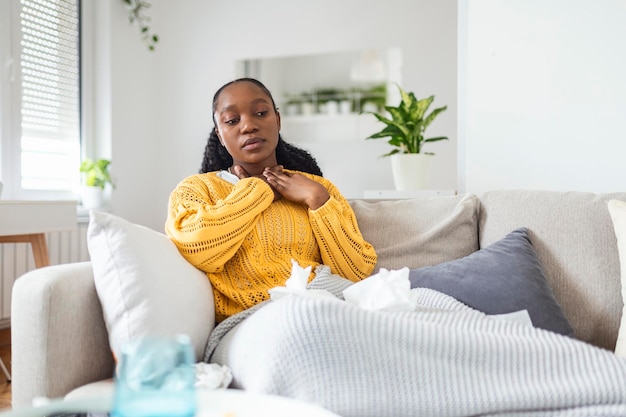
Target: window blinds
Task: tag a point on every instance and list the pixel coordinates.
(50, 108)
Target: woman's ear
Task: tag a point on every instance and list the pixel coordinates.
(219, 137)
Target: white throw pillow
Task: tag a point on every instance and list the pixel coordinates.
(145, 285)
(617, 209)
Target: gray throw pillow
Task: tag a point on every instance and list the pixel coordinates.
(504, 277)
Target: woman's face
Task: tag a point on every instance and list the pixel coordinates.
(247, 124)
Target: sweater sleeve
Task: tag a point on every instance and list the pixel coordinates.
(341, 244)
(208, 219)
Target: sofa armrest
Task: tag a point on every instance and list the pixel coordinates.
(58, 335)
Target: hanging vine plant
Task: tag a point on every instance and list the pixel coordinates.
(136, 9)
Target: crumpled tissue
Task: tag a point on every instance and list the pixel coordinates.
(212, 376)
(388, 290)
(296, 284)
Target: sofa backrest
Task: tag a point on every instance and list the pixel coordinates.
(574, 238)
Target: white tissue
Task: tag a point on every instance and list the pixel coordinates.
(520, 316)
(296, 284)
(40, 401)
(212, 376)
(389, 290)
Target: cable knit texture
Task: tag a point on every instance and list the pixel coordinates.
(245, 241)
(444, 359)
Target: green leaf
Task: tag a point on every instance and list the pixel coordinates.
(421, 107)
(398, 115)
(382, 118)
(406, 98)
(395, 151)
(433, 115)
(437, 139)
(379, 135)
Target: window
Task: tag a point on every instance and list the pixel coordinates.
(40, 111)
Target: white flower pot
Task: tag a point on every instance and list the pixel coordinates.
(91, 197)
(411, 171)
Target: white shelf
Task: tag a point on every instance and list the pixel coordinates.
(324, 117)
(329, 127)
(398, 195)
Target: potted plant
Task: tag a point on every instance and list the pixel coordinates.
(96, 176)
(405, 130)
(292, 105)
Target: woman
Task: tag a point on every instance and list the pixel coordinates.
(257, 204)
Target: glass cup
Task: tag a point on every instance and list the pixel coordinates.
(155, 377)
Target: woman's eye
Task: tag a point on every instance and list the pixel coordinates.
(231, 121)
(261, 113)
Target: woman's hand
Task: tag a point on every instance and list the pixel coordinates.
(297, 188)
(241, 173)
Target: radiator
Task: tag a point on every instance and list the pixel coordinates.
(17, 258)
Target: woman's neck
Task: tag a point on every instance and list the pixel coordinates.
(254, 169)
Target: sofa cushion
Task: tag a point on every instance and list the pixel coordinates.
(574, 239)
(419, 232)
(145, 285)
(502, 278)
(617, 210)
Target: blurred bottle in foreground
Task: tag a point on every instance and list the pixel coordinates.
(156, 377)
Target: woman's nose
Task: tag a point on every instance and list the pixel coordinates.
(249, 125)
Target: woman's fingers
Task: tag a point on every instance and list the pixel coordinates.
(297, 188)
(239, 171)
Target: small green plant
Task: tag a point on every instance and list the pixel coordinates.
(377, 95)
(407, 124)
(136, 16)
(96, 174)
(324, 95)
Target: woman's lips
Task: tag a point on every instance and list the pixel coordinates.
(252, 143)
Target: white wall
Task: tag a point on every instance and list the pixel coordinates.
(201, 40)
(125, 118)
(158, 113)
(544, 95)
(540, 88)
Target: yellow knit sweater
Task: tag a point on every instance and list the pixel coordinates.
(245, 241)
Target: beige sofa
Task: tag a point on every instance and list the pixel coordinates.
(60, 340)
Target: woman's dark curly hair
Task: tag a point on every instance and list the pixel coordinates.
(216, 157)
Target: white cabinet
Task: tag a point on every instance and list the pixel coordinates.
(320, 127)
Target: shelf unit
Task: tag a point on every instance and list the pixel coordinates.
(325, 127)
